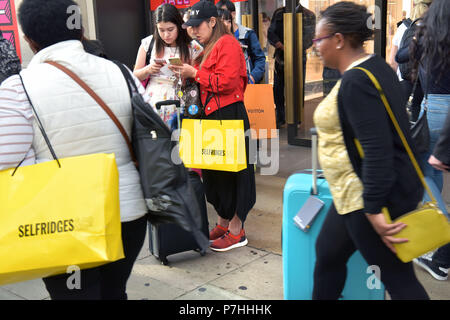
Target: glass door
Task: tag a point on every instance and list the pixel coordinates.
(318, 80)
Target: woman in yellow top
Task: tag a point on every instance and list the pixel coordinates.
(363, 160)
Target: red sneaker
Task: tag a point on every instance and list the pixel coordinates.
(217, 232)
(229, 241)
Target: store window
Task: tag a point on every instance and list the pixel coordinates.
(319, 81)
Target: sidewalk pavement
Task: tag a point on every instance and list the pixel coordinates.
(253, 272)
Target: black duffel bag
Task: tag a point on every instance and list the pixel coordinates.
(167, 191)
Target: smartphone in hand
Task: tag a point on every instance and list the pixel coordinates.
(175, 61)
(160, 61)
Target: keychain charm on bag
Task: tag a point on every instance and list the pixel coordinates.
(193, 107)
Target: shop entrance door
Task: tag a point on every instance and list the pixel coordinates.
(121, 25)
(302, 97)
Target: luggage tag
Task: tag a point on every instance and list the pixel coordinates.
(305, 216)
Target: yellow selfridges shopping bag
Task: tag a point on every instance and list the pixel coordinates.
(52, 218)
(213, 144)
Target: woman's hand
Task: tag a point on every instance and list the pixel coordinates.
(186, 70)
(437, 164)
(154, 68)
(386, 230)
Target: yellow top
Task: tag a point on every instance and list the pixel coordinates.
(345, 185)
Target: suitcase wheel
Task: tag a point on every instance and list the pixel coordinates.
(164, 261)
(202, 252)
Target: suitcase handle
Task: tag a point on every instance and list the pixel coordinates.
(314, 138)
(159, 104)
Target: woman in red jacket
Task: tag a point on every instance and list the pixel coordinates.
(222, 72)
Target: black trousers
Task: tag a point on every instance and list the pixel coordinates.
(278, 89)
(107, 282)
(340, 237)
(278, 92)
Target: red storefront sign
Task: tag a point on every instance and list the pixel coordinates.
(181, 4)
(8, 24)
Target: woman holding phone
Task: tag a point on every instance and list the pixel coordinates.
(169, 41)
(222, 74)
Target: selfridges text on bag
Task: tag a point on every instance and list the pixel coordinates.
(213, 144)
(167, 191)
(59, 214)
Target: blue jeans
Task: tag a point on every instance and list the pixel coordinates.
(438, 107)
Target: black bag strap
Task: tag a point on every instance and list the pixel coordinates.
(129, 79)
(149, 51)
(41, 127)
(408, 22)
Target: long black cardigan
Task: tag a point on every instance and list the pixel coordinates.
(387, 174)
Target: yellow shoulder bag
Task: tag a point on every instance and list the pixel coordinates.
(427, 227)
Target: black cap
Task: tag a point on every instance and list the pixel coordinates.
(200, 12)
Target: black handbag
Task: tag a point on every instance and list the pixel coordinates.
(420, 132)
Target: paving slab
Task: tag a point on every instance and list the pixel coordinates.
(188, 270)
(260, 280)
(140, 287)
(6, 295)
(210, 292)
(29, 290)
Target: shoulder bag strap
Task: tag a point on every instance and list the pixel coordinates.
(399, 131)
(100, 102)
(41, 127)
(148, 55)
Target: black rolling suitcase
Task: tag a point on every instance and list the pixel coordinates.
(168, 238)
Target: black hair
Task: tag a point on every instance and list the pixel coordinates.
(169, 13)
(349, 19)
(434, 40)
(225, 15)
(48, 22)
(230, 5)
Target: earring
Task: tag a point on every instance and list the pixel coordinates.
(338, 48)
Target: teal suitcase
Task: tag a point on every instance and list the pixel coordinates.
(298, 246)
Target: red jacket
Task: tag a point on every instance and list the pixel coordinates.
(225, 70)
